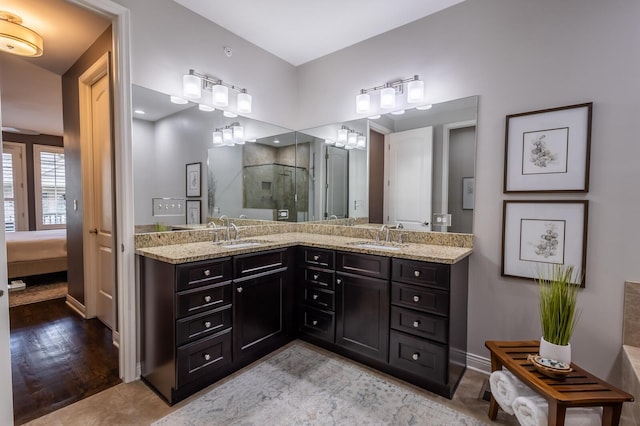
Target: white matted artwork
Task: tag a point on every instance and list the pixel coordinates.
(548, 150)
(539, 233)
(468, 193)
(193, 212)
(193, 179)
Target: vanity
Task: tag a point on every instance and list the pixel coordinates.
(208, 310)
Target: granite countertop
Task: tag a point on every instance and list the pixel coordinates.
(191, 252)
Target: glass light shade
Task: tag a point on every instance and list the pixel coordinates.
(244, 103)
(339, 145)
(217, 138)
(206, 108)
(415, 91)
(349, 147)
(352, 139)
(19, 40)
(388, 97)
(178, 100)
(342, 135)
(329, 142)
(363, 103)
(238, 133)
(191, 86)
(227, 137)
(362, 142)
(220, 95)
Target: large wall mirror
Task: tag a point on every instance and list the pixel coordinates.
(272, 173)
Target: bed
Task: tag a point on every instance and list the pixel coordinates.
(36, 252)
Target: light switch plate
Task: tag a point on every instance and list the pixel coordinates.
(441, 219)
(168, 206)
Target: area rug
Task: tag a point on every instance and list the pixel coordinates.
(300, 386)
(38, 293)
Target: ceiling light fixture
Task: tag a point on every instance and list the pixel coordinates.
(349, 139)
(205, 108)
(194, 83)
(388, 93)
(17, 39)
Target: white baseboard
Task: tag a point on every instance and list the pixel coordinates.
(76, 306)
(478, 363)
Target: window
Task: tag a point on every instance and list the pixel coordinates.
(50, 187)
(14, 187)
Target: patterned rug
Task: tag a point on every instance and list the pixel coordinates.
(300, 386)
(38, 293)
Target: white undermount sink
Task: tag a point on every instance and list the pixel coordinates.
(241, 243)
(378, 245)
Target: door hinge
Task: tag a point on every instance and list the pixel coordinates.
(389, 182)
(122, 247)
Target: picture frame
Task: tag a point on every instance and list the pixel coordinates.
(468, 193)
(193, 179)
(536, 234)
(193, 212)
(548, 150)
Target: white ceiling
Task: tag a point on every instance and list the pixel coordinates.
(300, 31)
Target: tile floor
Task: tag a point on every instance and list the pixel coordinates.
(136, 404)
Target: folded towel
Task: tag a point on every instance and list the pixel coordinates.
(533, 411)
(505, 387)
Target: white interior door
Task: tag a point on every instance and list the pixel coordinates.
(409, 178)
(337, 182)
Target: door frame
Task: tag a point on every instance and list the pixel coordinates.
(446, 136)
(123, 161)
(21, 201)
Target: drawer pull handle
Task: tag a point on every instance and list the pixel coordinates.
(416, 298)
(207, 298)
(416, 273)
(206, 357)
(315, 297)
(339, 281)
(415, 356)
(239, 289)
(416, 323)
(207, 324)
(316, 276)
(314, 322)
(316, 257)
(207, 272)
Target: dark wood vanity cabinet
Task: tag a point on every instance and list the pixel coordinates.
(316, 294)
(428, 336)
(200, 321)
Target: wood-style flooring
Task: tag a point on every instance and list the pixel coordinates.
(57, 358)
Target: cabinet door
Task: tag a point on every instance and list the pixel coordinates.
(258, 318)
(362, 315)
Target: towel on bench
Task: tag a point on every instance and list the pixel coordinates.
(505, 387)
(533, 411)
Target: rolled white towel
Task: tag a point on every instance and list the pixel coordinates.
(533, 411)
(505, 387)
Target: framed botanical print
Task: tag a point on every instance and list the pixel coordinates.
(540, 233)
(193, 212)
(548, 150)
(193, 179)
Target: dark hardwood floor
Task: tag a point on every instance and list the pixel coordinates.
(57, 358)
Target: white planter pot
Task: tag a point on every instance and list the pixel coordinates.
(553, 351)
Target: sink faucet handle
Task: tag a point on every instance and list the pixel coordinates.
(401, 236)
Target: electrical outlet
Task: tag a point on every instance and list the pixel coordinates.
(168, 206)
(441, 219)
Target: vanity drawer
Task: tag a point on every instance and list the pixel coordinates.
(418, 356)
(419, 324)
(251, 264)
(202, 299)
(318, 323)
(422, 298)
(203, 357)
(420, 273)
(363, 264)
(197, 274)
(319, 278)
(318, 257)
(320, 298)
(201, 325)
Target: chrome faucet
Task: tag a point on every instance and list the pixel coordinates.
(382, 228)
(214, 231)
(242, 216)
(333, 216)
(225, 222)
(236, 232)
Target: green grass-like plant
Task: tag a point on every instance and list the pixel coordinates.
(558, 298)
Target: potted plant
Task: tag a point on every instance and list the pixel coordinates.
(558, 289)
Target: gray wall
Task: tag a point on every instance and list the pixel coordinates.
(521, 56)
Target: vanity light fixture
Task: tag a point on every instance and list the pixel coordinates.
(194, 83)
(388, 93)
(329, 142)
(178, 100)
(217, 138)
(227, 136)
(362, 142)
(352, 139)
(342, 135)
(349, 139)
(238, 133)
(17, 39)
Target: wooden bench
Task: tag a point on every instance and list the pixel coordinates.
(579, 389)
